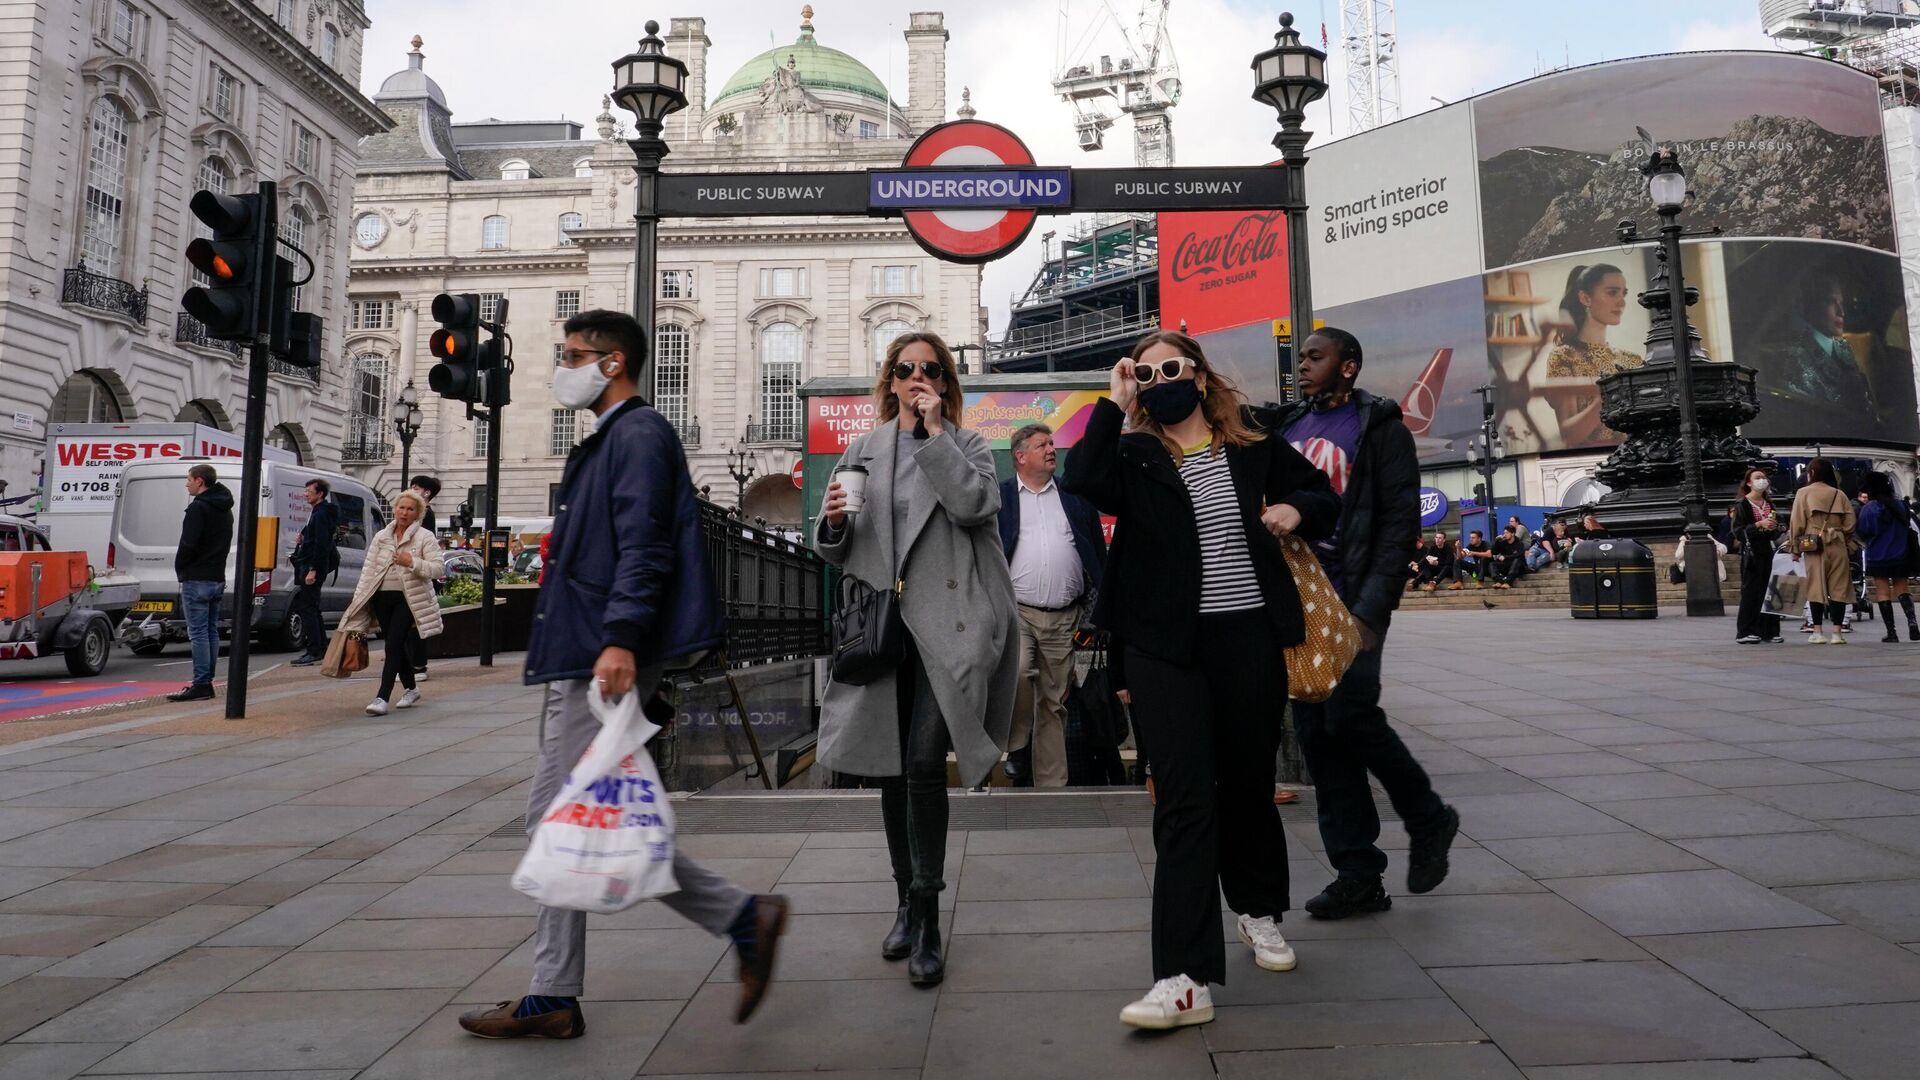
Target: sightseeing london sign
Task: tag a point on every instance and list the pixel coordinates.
(969, 191)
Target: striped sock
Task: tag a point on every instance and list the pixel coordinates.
(536, 1005)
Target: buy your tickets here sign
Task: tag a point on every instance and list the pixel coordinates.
(834, 422)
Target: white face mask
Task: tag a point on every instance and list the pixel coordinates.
(578, 388)
(1760, 486)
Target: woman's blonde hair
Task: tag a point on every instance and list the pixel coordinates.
(950, 400)
(1222, 404)
(419, 504)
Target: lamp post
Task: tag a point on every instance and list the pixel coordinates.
(1291, 76)
(407, 419)
(1667, 187)
(652, 86)
(740, 466)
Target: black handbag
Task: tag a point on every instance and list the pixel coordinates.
(1102, 719)
(869, 637)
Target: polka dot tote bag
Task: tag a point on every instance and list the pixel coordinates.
(1316, 665)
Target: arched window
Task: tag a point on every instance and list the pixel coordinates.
(283, 438)
(670, 349)
(106, 187)
(329, 45)
(515, 169)
(883, 336)
(217, 178)
(85, 398)
(367, 403)
(493, 232)
(780, 356)
(294, 231)
(569, 221)
(197, 412)
(583, 167)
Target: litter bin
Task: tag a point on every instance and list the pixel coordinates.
(1612, 579)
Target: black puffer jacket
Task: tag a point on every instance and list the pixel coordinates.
(1380, 511)
(206, 537)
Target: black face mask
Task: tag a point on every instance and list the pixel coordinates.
(1171, 402)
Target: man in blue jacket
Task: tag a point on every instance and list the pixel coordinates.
(1056, 552)
(315, 556)
(628, 593)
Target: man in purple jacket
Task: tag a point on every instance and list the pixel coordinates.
(627, 594)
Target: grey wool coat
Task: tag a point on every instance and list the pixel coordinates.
(957, 602)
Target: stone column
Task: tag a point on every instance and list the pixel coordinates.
(687, 42)
(926, 36)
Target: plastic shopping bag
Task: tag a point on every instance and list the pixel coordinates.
(606, 841)
(1786, 589)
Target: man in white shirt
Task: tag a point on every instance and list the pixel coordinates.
(1056, 552)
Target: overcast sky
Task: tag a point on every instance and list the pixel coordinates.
(534, 61)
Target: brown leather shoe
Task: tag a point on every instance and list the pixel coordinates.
(500, 1023)
(756, 964)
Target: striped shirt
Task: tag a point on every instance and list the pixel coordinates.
(1227, 580)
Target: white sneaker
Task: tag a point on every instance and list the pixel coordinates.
(1837, 639)
(408, 700)
(377, 707)
(1270, 950)
(1172, 1003)
(1818, 639)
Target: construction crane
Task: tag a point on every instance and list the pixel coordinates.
(1107, 66)
(1370, 38)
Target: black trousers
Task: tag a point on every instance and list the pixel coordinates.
(913, 805)
(1756, 571)
(1214, 732)
(397, 631)
(1343, 739)
(1508, 568)
(306, 605)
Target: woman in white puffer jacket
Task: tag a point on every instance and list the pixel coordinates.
(396, 589)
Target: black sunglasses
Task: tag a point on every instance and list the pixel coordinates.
(930, 368)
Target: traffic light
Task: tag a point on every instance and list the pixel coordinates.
(235, 257)
(457, 344)
(303, 340)
(496, 369)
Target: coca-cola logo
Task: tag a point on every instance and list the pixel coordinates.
(1255, 238)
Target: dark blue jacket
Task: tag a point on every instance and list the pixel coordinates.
(1884, 534)
(628, 564)
(318, 548)
(1089, 541)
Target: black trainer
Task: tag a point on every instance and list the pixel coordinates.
(1349, 896)
(193, 692)
(1427, 855)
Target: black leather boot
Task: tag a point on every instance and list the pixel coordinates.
(899, 940)
(1913, 627)
(1886, 617)
(928, 965)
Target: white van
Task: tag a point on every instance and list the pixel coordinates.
(146, 534)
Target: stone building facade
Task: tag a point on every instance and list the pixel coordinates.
(541, 216)
(117, 111)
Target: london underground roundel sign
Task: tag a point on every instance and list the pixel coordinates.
(968, 236)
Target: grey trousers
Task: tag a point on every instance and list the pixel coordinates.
(560, 936)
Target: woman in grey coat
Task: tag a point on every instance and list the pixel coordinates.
(929, 520)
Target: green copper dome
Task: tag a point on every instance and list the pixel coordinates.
(820, 68)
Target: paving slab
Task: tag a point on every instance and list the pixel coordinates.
(1707, 815)
(25, 1003)
(619, 1036)
(1338, 1023)
(1751, 1069)
(281, 883)
(1816, 858)
(1890, 909)
(1799, 967)
(50, 1061)
(1053, 916)
(1454, 931)
(1059, 1035)
(1357, 969)
(1683, 902)
(1581, 1014)
(875, 1024)
(231, 1032)
(1471, 1062)
(1542, 813)
(301, 918)
(1083, 876)
(290, 825)
(142, 1004)
(226, 864)
(59, 935)
(1601, 853)
(1849, 799)
(1862, 1042)
(622, 965)
(88, 844)
(136, 899)
(1644, 784)
(359, 935)
(139, 949)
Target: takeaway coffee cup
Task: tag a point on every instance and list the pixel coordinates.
(853, 481)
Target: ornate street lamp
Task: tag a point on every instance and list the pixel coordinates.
(1291, 76)
(407, 419)
(1667, 188)
(652, 86)
(741, 466)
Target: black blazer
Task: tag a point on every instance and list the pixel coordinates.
(1088, 541)
(1150, 595)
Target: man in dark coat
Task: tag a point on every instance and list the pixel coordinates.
(201, 564)
(315, 556)
(1364, 447)
(1055, 574)
(628, 593)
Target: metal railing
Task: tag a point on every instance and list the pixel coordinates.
(188, 330)
(293, 371)
(771, 588)
(774, 431)
(1076, 330)
(689, 432)
(366, 439)
(85, 288)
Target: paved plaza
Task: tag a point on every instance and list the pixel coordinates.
(1680, 860)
